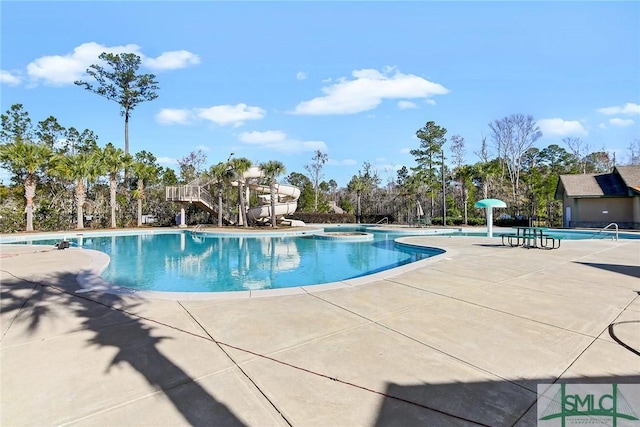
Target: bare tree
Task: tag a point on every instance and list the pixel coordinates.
(192, 166)
(315, 170)
(458, 152)
(513, 136)
(483, 154)
(634, 152)
(578, 149)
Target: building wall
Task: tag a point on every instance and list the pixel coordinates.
(599, 212)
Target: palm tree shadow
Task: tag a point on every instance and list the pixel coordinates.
(481, 403)
(114, 328)
(629, 270)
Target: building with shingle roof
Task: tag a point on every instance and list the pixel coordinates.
(596, 200)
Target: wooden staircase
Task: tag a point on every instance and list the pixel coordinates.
(197, 195)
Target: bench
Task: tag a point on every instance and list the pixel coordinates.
(551, 241)
(509, 236)
(526, 240)
(554, 239)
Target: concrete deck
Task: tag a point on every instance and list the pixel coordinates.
(463, 340)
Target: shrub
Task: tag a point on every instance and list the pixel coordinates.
(512, 222)
(322, 218)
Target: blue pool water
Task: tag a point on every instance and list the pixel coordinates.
(183, 262)
(179, 261)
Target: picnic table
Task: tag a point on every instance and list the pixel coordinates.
(531, 237)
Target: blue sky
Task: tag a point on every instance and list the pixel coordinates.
(355, 80)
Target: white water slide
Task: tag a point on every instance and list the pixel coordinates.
(286, 196)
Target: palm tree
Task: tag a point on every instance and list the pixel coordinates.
(272, 169)
(465, 175)
(221, 174)
(358, 185)
(144, 168)
(25, 159)
(240, 165)
(113, 160)
(78, 167)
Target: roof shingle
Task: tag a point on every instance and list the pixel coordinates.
(615, 184)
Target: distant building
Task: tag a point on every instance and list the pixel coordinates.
(596, 200)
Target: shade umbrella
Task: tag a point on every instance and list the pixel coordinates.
(419, 210)
(489, 204)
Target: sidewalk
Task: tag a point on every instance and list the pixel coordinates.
(463, 340)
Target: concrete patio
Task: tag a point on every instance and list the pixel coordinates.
(463, 339)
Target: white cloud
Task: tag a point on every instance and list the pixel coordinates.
(222, 115)
(167, 161)
(405, 150)
(203, 148)
(172, 60)
(403, 105)
(234, 115)
(301, 75)
(265, 137)
(277, 140)
(561, 127)
(621, 122)
(345, 162)
(602, 126)
(367, 90)
(7, 78)
(628, 108)
(169, 116)
(58, 70)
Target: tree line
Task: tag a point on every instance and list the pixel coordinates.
(62, 179)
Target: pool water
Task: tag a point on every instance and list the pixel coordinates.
(183, 262)
(179, 261)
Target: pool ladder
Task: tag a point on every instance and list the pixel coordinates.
(196, 229)
(604, 228)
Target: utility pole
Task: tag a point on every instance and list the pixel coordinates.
(444, 193)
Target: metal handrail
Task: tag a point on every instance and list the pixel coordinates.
(603, 229)
(385, 220)
(196, 229)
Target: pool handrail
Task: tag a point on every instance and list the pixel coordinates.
(604, 228)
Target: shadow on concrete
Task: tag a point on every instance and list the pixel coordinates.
(494, 245)
(503, 403)
(629, 270)
(462, 403)
(129, 335)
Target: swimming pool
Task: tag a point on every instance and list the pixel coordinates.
(181, 261)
